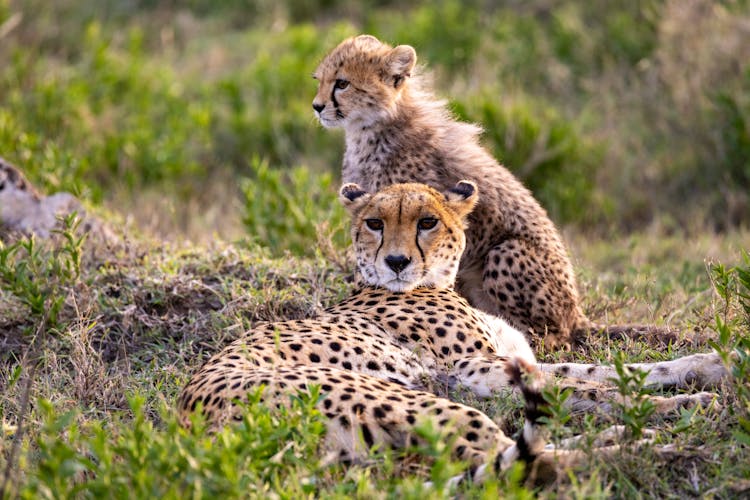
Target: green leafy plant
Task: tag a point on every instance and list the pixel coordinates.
(38, 274)
(269, 450)
(635, 408)
(733, 343)
(558, 412)
(284, 207)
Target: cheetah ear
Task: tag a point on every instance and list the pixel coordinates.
(401, 61)
(462, 197)
(353, 197)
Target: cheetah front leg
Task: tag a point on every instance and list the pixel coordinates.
(588, 397)
(489, 376)
(697, 370)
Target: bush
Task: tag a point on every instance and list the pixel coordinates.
(542, 149)
(733, 343)
(284, 209)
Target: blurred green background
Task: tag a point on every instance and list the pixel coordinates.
(193, 118)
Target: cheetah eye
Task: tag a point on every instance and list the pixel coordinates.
(374, 224)
(427, 223)
(341, 84)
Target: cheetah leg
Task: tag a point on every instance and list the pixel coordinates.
(590, 396)
(556, 462)
(610, 436)
(531, 291)
(697, 370)
(488, 376)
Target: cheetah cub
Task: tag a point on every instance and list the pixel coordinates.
(515, 265)
(377, 354)
(24, 210)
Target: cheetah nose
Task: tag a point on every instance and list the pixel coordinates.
(397, 262)
(318, 107)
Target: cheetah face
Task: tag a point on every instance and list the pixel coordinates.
(360, 82)
(409, 235)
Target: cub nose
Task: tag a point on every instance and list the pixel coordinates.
(318, 107)
(397, 262)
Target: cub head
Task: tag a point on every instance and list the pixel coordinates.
(360, 81)
(17, 196)
(13, 181)
(409, 235)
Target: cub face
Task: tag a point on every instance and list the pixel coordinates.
(409, 235)
(360, 81)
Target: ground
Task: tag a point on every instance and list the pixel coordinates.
(137, 322)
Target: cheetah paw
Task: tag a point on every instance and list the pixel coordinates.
(708, 400)
(707, 370)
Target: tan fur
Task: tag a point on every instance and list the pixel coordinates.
(515, 264)
(377, 355)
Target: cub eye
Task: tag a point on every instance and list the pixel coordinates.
(341, 84)
(427, 223)
(374, 224)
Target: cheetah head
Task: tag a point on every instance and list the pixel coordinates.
(409, 235)
(361, 81)
(17, 196)
(12, 181)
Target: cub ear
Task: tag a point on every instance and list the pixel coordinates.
(401, 61)
(353, 197)
(462, 197)
(368, 41)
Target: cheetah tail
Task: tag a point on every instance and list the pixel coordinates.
(661, 334)
(531, 441)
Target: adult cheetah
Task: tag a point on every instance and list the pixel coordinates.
(515, 265)
(377, 354)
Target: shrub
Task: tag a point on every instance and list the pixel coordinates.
(270, 450)
(542, 149)
(283, 209)
(733, 343)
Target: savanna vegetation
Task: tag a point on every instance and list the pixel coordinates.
(187, 128)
